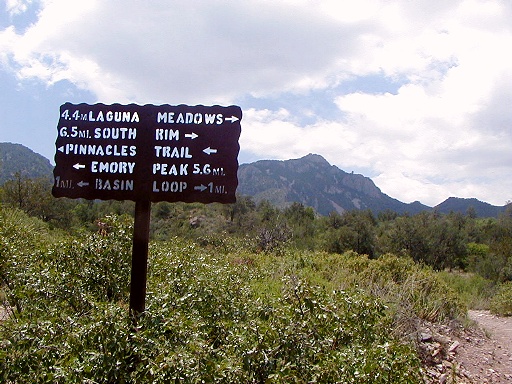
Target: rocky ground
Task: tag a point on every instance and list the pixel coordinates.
(481, 353)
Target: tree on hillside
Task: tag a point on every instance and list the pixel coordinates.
(30, 195)
(405, 235)
(446, 242)
(428, 237)
(501, 244)
(242, 214)
(354, 230)
(268, 214)
(34, 197)
(301, 221)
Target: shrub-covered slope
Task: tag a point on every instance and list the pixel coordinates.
(215, 313)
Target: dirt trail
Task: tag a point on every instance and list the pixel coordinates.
(485, 354)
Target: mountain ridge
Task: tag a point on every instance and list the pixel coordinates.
(310, 180)
(16, 158)
(313, 181)
(480, 208)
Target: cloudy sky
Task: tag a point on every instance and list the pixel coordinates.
(416, 95)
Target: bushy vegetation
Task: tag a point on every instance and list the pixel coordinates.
(216, 312)
(474, 290)
(242, 293)
(501, 303)
(452, 241)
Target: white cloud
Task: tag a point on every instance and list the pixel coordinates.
(189, 50)
(15, 7)
(446, 130)
(277, 136)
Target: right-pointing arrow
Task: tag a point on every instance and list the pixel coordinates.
(232, 119)
(191, 135)
(200, 187)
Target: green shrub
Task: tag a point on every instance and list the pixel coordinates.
(409, 285)
(41, 272)
(23, 240)
(486, 263)
(209, 318)
(474, 290)
(55, 348)
(501, 303)
(403, 285)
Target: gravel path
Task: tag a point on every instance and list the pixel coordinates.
(485, 355)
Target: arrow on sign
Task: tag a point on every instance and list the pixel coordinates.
(61, 149)
(82, 184)
(232, 119)
(191, 135)
(78, 166)
(200, 187)
(209, 151)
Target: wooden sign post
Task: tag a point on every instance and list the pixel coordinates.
(147, 154)
(140, 257)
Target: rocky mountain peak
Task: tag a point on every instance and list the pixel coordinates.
(309, 180)
(314, 158)
(312, 181)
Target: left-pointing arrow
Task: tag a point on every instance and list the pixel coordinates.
(61, 149)
(78, 166)
(82, 184)
(209, 151)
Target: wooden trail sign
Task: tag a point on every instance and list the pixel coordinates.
(147, 154)
(161, 153)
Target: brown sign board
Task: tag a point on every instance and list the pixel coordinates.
(156, 153)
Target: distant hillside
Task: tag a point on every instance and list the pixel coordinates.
(18, 158)
(457, 204)
(312, 181)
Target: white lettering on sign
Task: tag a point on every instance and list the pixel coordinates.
(112, 167)
(115, 133)
(176, 152)
(118, 116)
(63, 183)
(165, 169)
(169, 186)
(74, 132)
(166, 134)
(114, 185)
(210, 187)
(98, 150)
(189, 118)
(206, 169)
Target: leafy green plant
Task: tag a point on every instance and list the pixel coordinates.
(406, 283)
(209, 318)
(22, 239)
(45, 273)
(474, 290)
(501, 303)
